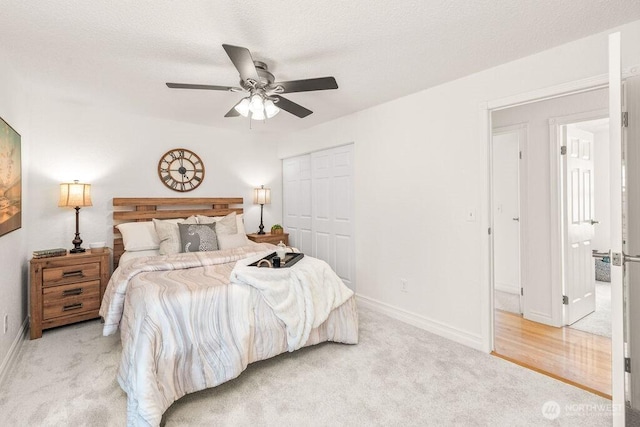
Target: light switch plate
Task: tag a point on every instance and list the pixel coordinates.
(471, 215)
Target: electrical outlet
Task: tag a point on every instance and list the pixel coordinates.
(6, 323)
(404, 286)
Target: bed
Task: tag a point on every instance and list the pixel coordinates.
(191, 321)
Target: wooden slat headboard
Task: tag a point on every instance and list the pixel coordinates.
(132, 209)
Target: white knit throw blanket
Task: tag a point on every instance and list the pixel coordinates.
(302, 296)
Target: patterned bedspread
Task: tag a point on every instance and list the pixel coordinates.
(185, 328)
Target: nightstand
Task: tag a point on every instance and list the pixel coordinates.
(67, 289)
(269, 238)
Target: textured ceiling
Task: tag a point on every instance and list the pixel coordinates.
(118, 54)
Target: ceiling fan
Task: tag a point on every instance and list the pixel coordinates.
(264, 100)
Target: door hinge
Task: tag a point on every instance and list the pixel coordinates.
(489, 230)
(563, 150)
(565, 300)
(522, 291)
(625, 119)
(627, 364)
(520, 154)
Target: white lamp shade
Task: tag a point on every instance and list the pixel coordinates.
(243, 107)
(258, 115)
(262, 196)
(256, 105)
(75, 194)
(270, 108)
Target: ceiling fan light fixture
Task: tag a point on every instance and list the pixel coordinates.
(270, 108)
(243, 107)
(258, 115)
(257, 104)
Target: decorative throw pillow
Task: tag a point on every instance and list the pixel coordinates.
(169, 234)
(231, 241)
(240, 224)
(225, 225)
(139, 236)
(198, 237)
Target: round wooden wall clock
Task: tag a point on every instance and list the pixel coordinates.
(181, 170)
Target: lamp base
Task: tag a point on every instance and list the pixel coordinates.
(261, 227)
(77, 241)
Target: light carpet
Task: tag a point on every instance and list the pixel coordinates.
(397, 375)
(598, 322)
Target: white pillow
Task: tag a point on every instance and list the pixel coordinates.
(230, 241)
(240, 224)
(128, 256)
(169, 235)
(139, 236)
(225, 225)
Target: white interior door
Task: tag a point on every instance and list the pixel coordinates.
(506, 210)
(617, 231)
(579, 276)
(332, 210)
(632, 237)
(318, 207)
(296, 180)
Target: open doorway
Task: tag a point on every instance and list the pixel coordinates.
(530, 317)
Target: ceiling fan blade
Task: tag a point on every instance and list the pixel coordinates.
(291, 107)
(241, 58)
(307, 85)
(233, 112)
(208, 87)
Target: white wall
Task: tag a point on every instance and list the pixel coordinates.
(536, 225)
(119, 153)
(420, 167)
(13, 247)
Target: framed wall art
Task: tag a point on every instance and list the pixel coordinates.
(10, 179)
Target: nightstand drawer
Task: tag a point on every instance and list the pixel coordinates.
(70, 274)
(70, 299)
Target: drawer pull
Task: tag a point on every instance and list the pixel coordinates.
(69, 292)
(72, 306)
(77, 273)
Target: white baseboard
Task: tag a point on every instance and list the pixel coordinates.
(438, 328)
(12, 356)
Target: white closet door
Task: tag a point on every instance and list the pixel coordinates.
(332, 207)
(318, 207)
(296, 178)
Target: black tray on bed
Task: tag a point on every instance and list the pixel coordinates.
(289, 259)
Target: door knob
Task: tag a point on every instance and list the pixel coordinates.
(600, 255)
(594, 222)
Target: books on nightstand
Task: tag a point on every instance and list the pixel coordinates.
(47, 253)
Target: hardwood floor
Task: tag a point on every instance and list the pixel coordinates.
(570, 355)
